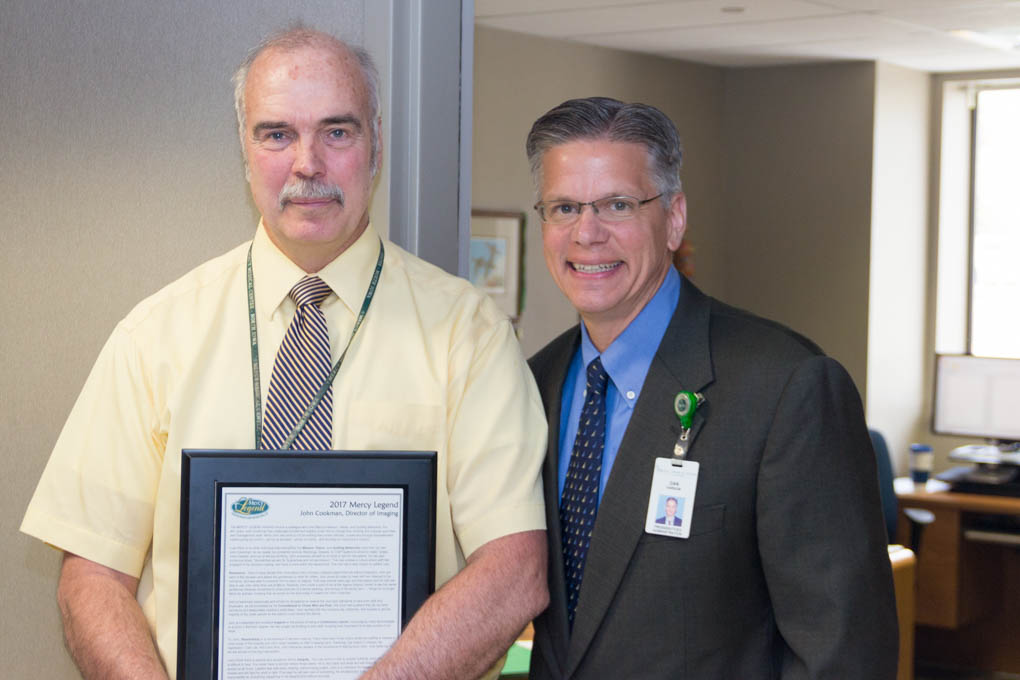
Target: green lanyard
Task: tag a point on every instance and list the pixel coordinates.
(254, 336)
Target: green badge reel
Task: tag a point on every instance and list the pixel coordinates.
(685, 405)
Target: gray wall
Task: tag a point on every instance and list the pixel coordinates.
(827, 226)
(121, 171)
(798, 152)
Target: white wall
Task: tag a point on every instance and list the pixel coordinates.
(898, 281)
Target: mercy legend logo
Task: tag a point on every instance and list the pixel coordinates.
(249, 507)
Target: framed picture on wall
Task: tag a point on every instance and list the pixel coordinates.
(496, 258)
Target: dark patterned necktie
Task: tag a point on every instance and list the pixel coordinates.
(301, 367)
(579, 502)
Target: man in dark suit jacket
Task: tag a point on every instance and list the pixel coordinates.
(784, 573)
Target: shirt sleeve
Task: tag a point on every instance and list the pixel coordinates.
(96, 495)
(497, 436)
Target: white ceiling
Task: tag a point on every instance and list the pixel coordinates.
(916, 34)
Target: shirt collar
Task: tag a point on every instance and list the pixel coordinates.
(630, 355)
(348, 275)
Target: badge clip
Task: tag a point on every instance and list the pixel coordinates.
(685, 405)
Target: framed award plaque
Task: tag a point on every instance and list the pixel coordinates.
(298, 564)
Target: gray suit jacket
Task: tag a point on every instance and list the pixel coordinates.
(785, 574)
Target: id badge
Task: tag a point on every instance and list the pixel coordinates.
(671, 501)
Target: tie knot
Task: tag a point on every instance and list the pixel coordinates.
(597, 377)
(310, 290)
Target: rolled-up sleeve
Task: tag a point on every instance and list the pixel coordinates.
(497, 439)
(97, 493)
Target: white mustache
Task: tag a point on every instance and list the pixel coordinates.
(310, 189)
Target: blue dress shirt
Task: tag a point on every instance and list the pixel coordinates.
(626, 361)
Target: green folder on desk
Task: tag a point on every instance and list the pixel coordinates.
(518, 659)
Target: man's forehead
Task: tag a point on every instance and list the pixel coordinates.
(336, 58)
(610, 167)
(278, 67)
(596, 152)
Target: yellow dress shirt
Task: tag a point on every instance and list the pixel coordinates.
(435, 366)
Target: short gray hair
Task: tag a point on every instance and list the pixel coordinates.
(604, 118)
(300, 37)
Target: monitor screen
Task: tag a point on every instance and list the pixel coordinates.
(977, 396)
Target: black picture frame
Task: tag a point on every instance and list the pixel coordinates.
(204, 473)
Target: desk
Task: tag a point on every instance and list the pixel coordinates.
(968, 591)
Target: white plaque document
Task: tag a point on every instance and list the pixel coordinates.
(300, 565)
(309, 580)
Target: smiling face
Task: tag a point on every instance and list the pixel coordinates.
(608, 271)
(308, 144)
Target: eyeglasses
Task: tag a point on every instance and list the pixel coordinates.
(609, 209)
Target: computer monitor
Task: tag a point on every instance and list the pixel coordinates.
(977, 396)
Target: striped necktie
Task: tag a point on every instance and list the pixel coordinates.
(301, 367)
(579, 502)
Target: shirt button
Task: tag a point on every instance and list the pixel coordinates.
(630, 394)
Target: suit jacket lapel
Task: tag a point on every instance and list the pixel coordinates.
(551, 389)
(682, 362)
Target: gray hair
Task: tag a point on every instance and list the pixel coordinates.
(300, 37)
(604, 118)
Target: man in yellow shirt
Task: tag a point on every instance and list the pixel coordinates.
(435, 366)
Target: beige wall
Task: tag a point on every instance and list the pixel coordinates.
(798, 152)
(121, 171)
(518, 78)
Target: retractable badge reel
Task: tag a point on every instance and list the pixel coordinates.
(675, 479)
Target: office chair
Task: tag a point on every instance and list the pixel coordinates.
(918, 517)
(904, 562)
(885, 482)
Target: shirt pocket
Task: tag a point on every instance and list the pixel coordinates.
(383, 425)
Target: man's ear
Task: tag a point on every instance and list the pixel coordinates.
(377, 165)
(676, 221)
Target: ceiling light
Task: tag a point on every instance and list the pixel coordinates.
(1001, 41)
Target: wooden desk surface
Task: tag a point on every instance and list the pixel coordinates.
(968, 593)
(937, 496)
